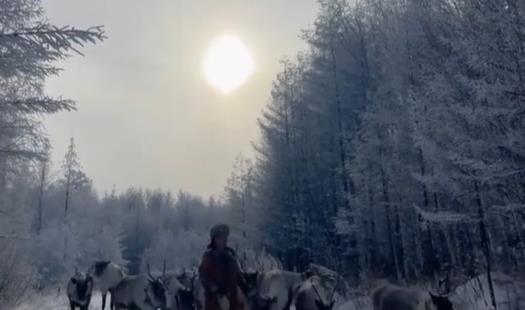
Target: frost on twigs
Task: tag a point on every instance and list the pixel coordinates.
(42, 104)
(30, 50)
(261, 261)
(443, 217)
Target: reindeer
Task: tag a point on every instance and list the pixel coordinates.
(179, 296)
(251, 280)
(387, 296)
(190, 279)
(107, 276)
(275, 289)
(79, 289)
(312, 294)
(141, 292)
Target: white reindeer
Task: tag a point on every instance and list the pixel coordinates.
(275, 289)
(314, 294)
(107, 276)
(180, 296)
(141, 292)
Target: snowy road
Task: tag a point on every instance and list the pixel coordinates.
(54, 301)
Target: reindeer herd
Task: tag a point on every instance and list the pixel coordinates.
(270, 290)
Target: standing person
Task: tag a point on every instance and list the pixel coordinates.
(220, 273)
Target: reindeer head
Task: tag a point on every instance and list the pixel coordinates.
(319, 300)
(185, 299)
(98, 268)
(322, 306)
(155, 292)
(250, 278)
(265, 302)
(441, 302)
(83, 284)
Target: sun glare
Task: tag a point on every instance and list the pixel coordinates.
(227, 63)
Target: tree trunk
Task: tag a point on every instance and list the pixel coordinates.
(400, 253)
(485, 243)
(391, 240)
(373, 237)
(41, 197)
(3, 173)
(68, 189)
(422, 170)
(340, 137)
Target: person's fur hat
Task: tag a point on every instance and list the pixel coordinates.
(219, 230)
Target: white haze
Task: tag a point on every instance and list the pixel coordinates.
(146, 116)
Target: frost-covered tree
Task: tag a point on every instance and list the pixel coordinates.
(240, 199)
(30, 47)
(393, 141)
(73, 178)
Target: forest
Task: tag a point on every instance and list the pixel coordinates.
(393, 147)
(398, 136)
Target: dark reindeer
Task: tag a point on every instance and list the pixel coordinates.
(79, 289)
(392, 297)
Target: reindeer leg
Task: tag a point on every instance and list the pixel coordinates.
(111, 302)
(71, 305)
(104, 300)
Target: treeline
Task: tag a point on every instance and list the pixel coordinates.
(129, 228)
(55, 222)
(395, 144)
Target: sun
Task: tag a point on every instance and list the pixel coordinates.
(228, 63)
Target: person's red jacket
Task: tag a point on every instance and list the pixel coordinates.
(220, 275)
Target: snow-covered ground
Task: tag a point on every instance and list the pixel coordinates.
(56, 300)
(474, 295)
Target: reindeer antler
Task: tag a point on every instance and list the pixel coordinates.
(241, 261)
(338, 281)
(149, 270)
(331, 299)
(333, 293)
(315, 290)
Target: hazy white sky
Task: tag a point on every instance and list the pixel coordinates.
(146, 115)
